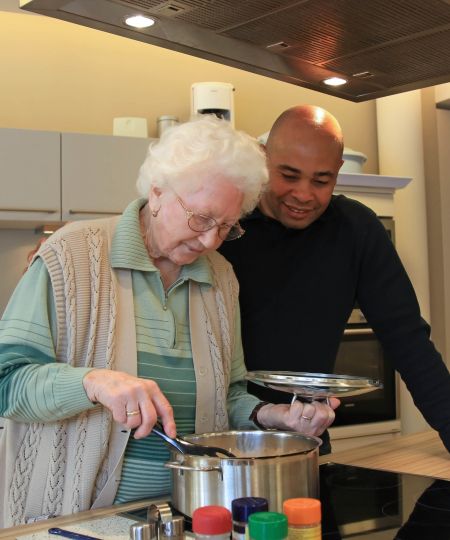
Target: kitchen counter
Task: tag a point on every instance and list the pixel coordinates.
(420, 453)
(103, 522)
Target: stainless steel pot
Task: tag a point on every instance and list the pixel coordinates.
(277, 465)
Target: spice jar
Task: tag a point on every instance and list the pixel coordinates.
(267, 526)
(241, 509)
(304, 518)
(211, 523)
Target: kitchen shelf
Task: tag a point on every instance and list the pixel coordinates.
(373, 190)
(373, 181)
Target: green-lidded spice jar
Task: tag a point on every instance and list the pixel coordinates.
(267, 526)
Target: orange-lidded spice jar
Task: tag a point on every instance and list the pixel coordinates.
(304, 517)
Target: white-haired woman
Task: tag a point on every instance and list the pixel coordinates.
(124, 320)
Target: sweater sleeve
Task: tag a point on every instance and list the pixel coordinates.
(388, 300)
(240, 402)
(33, 385)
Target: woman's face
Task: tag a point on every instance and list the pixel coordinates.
(215, 197)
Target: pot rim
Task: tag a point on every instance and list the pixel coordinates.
(213, 434)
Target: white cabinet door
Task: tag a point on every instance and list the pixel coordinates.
(99, 173)
(30, 188)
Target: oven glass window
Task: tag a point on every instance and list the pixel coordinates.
(361, 355)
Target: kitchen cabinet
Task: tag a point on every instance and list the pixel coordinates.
(29, 176)
(49, 177)
(98, 173)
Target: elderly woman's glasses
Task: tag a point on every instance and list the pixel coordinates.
(202, 223)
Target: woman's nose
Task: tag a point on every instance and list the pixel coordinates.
(210, 239)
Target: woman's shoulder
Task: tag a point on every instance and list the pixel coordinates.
(75, 234)
(222, 270)
(102, 224)
(218, 262)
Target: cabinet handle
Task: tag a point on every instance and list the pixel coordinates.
(37, 210)
(103, 212)
(360, 331)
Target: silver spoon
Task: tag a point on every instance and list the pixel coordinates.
(186, 447)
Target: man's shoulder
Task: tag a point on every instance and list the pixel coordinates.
(351, 210)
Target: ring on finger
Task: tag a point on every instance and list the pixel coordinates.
(308, 418)
(133, 413)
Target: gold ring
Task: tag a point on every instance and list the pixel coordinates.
(133, 413)
(307, 417)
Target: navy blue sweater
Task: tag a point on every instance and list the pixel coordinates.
(298, 287)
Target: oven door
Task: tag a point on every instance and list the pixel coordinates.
(360, 353)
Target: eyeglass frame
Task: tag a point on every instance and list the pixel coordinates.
(190, 214)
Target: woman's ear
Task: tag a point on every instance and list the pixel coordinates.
(154, 195)
(154, 200)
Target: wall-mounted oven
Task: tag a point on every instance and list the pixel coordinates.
(360, 353)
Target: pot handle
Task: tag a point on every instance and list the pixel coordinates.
(180, 466)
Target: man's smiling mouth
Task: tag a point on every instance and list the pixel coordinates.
(296, 210)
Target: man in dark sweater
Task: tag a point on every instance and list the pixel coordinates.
(308, 256)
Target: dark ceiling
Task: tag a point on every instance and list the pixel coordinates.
(382, 47)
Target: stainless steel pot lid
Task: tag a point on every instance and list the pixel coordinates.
(314, 385)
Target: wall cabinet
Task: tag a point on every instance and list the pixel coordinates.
(48, 177)
(99, 173)
(29, 176)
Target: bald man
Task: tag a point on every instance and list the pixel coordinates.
(308, 256)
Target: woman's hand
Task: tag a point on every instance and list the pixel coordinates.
(135, 403)
(308, 418)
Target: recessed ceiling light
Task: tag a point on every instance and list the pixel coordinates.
(335, 81)
(139, 21)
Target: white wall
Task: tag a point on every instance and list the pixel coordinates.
(400, 146)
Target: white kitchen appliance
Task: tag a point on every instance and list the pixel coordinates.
(130, 126)
(213, 98)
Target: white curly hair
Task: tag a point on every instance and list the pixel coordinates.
(209, 144)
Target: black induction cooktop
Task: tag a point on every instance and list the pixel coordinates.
(366, 504)
(362, 503)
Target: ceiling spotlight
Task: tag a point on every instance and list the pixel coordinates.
(139, 21)
(335, 81)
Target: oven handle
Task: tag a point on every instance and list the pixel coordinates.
(359, 331)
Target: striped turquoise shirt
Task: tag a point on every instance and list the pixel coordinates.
(34, 387)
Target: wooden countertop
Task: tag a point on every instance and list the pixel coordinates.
(420, 453)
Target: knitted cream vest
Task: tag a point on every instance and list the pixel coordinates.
(72, 465)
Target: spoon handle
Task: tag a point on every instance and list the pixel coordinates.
(159, 430)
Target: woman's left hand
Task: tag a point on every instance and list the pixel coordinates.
(308, 418)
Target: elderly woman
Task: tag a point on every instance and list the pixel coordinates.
(124, 320)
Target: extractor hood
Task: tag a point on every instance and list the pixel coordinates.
(381, 47)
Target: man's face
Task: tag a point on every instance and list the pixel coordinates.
(303, 169)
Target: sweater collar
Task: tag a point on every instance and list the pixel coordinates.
(128, 248)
